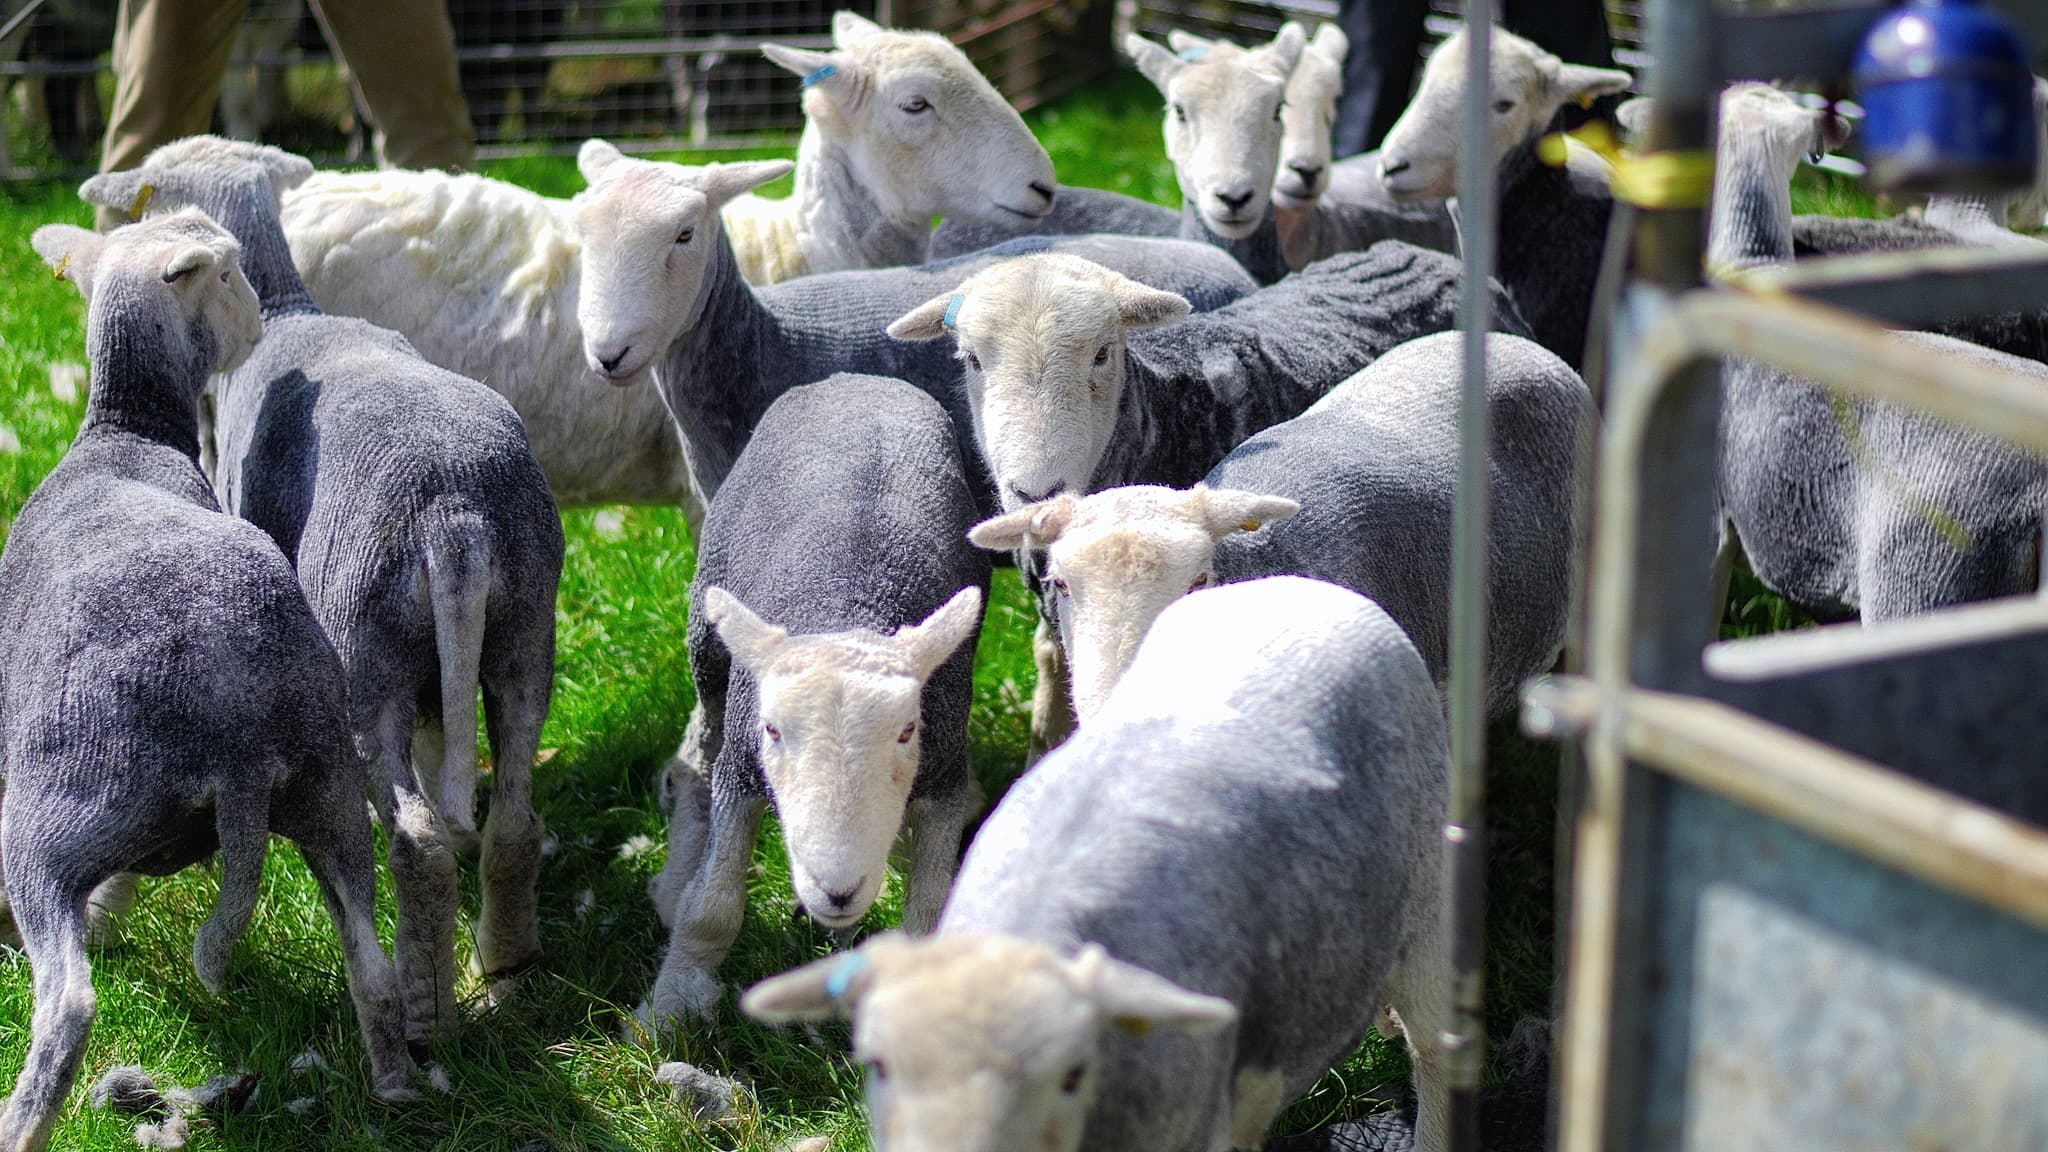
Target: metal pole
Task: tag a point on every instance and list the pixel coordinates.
(1465, 828)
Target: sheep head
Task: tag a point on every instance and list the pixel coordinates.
(184, 265)
(1307, 117)
(923, 129)
(988, 1043)
(1419, 158)
(1223, 123)
(180, 173)
(1118, 558)
(1042, 340)
(841, 724)
(649, 231)
(1763, 135)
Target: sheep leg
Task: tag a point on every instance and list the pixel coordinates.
(707, 917)
(334, 840)
(685, 794)
(107, 905)
(1052, 699)
(9, 937)
(430, 746)
(937, 823)
(50, 912)
(1417, 1003)
(243, 824)
(423, 877)
(508, 927)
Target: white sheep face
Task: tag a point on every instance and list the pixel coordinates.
(185, 265)
(649, 231)
(924, 131)
(1223, 124)
(1042, 342)
(1308, 120)
(1118, 558)
(981, 1044)
(1419, 158)
(840, 734)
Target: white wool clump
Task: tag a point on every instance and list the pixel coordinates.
(637, 846)
(437, 1079)
(170, 1135)
(67, 380)
(9, 442)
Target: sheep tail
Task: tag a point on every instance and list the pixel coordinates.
(458, 584)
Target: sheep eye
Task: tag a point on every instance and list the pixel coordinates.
(683, 237)
(909, 730)
(1071, 1082)
(771, 730)
(1276, 110)
(1201, 581)
(223, 277)
(916, 105)
(876, 1070)
(1060, 586)
(974, 361)
(1102, 354)
(1503, 106)
(1816, 156)
(1180, 112)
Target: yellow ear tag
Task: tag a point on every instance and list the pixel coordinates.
(1551, 151)
(141, 203)
(1586, 101)
(1134, 1025)
(63, 266)
(1249, 526)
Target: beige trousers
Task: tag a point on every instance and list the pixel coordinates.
(169, 56)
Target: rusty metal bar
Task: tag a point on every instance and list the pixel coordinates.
(1911, 289)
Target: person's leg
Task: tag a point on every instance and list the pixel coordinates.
(1575, 30)
(1386, 38)
(169, 57)
(401, 54)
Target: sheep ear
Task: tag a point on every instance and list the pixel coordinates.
(723, 182)
(1580, 84)
(1158, 64)
(751, 640)
(70, 251)
(1832, 129)
(287, 170)
(826, 71)
(1138, 1001)
(933, 642)
(927, 321)
(1227, 510)
(187, 260)
(596, 157)
(1284, 51)
(850, 28)
(1139, 306)
(1038, 524)
(123, 190)
(820, 990)
(1187, 45)
(1331, 44)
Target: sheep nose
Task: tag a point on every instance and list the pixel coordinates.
(840, 901)
(1235, 200)
(613, 363)
(1043, 189)
(1024, 497)
(1392, 166)
(1307, 173)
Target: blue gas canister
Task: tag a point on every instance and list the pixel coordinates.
(1948, 101)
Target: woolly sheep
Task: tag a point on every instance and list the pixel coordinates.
(661, 291)
(841, 527)
(1359, 490)
(1175, 924)
(428, 547)
(166, 689)
(1553, 221)
(1852, 506)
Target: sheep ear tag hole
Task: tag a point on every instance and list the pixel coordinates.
(824, 73)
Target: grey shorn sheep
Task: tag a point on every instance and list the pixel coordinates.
(1179, 920)
(831, 633)
(428, 546)
(660, 287)
(164, 689)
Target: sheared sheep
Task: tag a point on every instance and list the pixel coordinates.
(1175, 924)
(427, 545)
(166, 689)
(842, 526)
(1553, 221)
(1359, 490)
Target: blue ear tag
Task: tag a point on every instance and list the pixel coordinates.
(953, 310)
(844, 974)
(820, 74)
(1193, 54)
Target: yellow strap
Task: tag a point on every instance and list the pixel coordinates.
(141, 203)
(1665, 179)
(1554, 149)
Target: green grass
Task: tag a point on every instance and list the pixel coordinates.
(547, 1070)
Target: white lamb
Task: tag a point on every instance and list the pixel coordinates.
(482, 276)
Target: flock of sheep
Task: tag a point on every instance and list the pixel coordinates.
(296, 536)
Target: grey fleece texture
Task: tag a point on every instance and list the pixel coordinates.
(1374, 466)
(1847, 506)
(1279, 848)
(429, 547)
(749, 345)
(164, 691)
(2014, 333)
(849, 509)
(1075, 211)
(1195, 390)
(1553, 228)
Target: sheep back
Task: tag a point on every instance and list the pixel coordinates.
(1075, 212)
